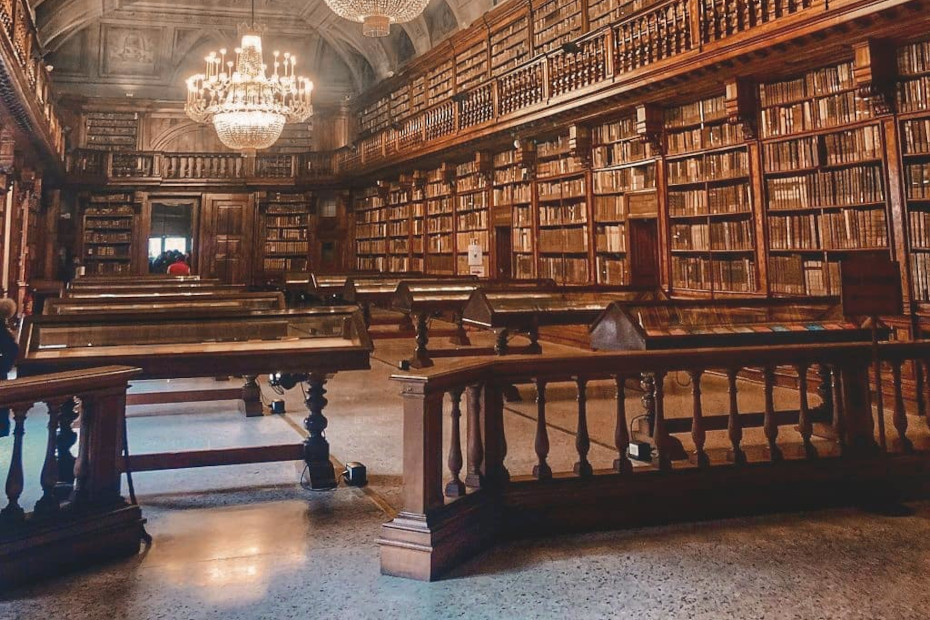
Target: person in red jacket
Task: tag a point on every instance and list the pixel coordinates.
(180, 267)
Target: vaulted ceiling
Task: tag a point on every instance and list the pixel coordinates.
(146, 48)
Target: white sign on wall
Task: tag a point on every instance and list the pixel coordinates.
(475, 260)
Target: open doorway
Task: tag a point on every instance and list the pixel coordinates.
(171, 234)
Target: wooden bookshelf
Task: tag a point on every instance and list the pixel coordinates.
(440, 82)
(109, 233)
(561, 195)
(440, 221)
(471, 65)
(624, 169)
(510, 45)
(417, 196)
(398, 241)
(555, 22)
(417, 94)
(286, 229)
(824, 186)
(376, 116)
(472, 202)
(112, 131)
(370, 230)
(513, 190)
(913, 102)
(400, 103)
(709, 200)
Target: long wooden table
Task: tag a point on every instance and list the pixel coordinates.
(525, 311)
(379, 291)
(168, 287)
(309, 344)
(152, 293)
(178, 304)
(426, 299)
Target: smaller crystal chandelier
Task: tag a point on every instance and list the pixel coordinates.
(248, 107)
(376, 16)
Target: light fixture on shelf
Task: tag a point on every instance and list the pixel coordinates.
(248, 107)
(376, 16)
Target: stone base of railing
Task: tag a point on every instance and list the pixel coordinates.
(419, 547)
(424, 547)
(68, 542)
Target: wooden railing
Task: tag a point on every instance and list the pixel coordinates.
(80, 503)
(453, 501)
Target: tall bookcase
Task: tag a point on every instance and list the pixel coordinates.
(823, 169)
(510, 45)
(398, 213)
(113, 131)
(286, 230)
(472, 201)
(109, 234)
(561, 212)
(440, 221)
(709, 200)
(913, 103)
(624, 170)
(513, 190)
(555, 22)
(370, 230)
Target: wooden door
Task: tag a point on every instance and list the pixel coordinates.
(226, 238)
(644, 253)
(503, 244)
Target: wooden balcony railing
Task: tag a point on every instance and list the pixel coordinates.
(826, 443)
(155, 167)
(80, 514)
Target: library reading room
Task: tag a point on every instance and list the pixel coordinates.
(465, 309)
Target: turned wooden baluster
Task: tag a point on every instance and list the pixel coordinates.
(475, 444)
(622, 463)
(919, 387)
(769, 424)
(698, 433)
(13, 512)
(582, 441)
(805, 427)
(541, 470)
(64, 442)
(48, 503)
(734, 424)
(900, 414)
(660, 433)
(455, 487)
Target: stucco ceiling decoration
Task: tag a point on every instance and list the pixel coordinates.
(145, 47)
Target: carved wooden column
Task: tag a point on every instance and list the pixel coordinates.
(251, 402)
(421, 357)
(13, 512)
(316, 449)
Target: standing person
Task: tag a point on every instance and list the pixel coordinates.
(180, 266)
(9, 350)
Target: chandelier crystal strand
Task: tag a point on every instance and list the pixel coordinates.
(248, 107)
(376, 16)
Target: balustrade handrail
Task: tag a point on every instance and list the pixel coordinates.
(59, 385)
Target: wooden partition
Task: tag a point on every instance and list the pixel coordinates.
(81, 516)
(838, 454)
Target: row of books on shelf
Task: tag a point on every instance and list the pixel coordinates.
(371, 263)
(920, 273)
(363, 217)
(610, 238)
(826, 188)
(849, 229)
(727, 235)
(463, 268)
(109, 251)
(112, 198)
(919, 229)
(523, 215)
(513, 194)
(702, 111)
(437, 189)
(476, 200)
(296, 220)
(401, 229)
(554, 215)
(286, 234)
(524, 266)
(116, 210)
(621, 129)
(439, 243)
(736, 275)
(374, 246)
(439, 223)
(470, 183)
(914, 58)
(399, 212)
(370, 231)
(99, 223)
(823, 81)
(709, 167)
(571, 188)
(571, 240)
(96, 237)
(619, 153)
(917, 180)
(564, 270)
(523, 240)
(108, 268)
(398, 246)
(916, 135)
(553, 148)
(632, 178)
(510, 174)
(795, 275)
(402, 264)
(473, 220)
(293, 206)
(914, 95)
(706, 137)
(609, 208)
(712, 201)
(611, 270)
(286, 264)
(563, 165)
(439, 205)
(841, 147)
(831, 111)
(465, 239)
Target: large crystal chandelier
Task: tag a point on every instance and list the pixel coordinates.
(248, 107)
(376, 16)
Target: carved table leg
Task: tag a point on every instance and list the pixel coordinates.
(421, 357)
(461, 336)
(251, 403)
(500, 345)
(533, 334)
(316, 448)
(64, 441)
(366, 313)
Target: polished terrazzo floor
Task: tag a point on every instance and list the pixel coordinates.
(248, 542)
